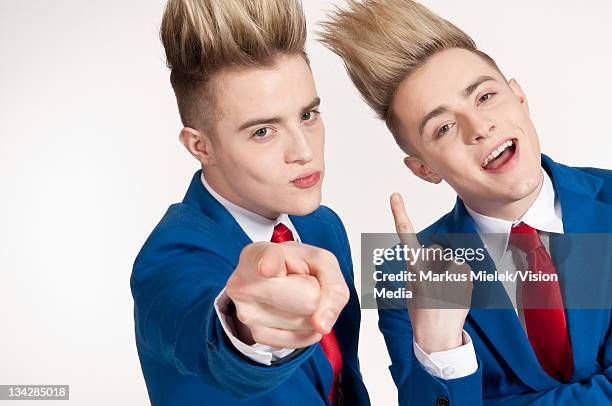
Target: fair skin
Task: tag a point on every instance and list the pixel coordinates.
(266, 155)
(454, 111)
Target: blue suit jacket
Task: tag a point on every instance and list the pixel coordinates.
(186, 359)
(508, 371)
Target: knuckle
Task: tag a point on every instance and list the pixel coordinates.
(324, 255)
(341, 293)
(332, 258)
(311, 306)
(244, 315)
(259, 336)
(253, 249)
(234, 287)
(271, 249)
(403, 228)
(311, 295)
(304, 324)
(344, 295)
(270, 252)
(315, 338)
(246, 252)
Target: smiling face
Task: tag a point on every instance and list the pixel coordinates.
(266, 153)
(467, 125)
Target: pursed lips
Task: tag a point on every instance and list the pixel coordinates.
(305, 175)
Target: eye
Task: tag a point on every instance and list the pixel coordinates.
(261, 132)
(444, 129)
(485, 97)
(310, 116)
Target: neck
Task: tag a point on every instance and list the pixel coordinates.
(506, 211)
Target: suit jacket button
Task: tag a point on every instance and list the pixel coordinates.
(443, 401)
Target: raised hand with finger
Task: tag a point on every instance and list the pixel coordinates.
(435, 327)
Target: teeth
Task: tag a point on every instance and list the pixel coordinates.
(496, 152)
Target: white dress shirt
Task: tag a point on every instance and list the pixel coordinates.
(545, 216)
(258, 229)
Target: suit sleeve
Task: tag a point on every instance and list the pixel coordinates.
(415, 385)
(597, 390)
(262, 354)
(174, 285)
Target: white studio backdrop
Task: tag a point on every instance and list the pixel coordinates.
(90, 160)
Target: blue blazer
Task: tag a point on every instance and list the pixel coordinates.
(508, 370)
(186, 359)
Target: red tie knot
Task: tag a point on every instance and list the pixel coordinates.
(525, 238)
(281, 234)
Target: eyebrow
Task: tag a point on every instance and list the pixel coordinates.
(480, 80)
(434, 113)
(443, 109)
(275, 120)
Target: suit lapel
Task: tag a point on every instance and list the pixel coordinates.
(199, 198)
(574, 258)
(492, 309)
(314, 231)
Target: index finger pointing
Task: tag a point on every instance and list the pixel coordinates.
(403, 225)
(334, 291)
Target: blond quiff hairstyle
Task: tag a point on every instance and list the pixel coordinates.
(202, 37)
(382, 42)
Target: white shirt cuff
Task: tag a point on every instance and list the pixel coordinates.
(263, 354)
(450, 364)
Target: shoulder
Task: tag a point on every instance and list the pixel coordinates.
(325, 224)
(438, 226)
(182, 223)
(184, 230)
(325, 218)
(326, 214)
(605, 175)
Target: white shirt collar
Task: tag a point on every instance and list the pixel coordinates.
(258, 228)
(543, 215)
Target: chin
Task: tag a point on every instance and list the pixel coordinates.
(304, 206)
(523, 188)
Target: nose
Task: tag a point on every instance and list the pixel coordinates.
(478, 127)
(299, 149)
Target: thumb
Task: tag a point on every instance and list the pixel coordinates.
(271, 262)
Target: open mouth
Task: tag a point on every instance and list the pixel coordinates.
(500, 156)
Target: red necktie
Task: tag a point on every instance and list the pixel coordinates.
(542, 306)
(329, 343)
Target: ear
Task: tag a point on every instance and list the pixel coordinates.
(516, 89)
(420, 169)
(199, 145)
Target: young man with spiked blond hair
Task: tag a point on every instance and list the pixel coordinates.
(244, 291)
(451, 110)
